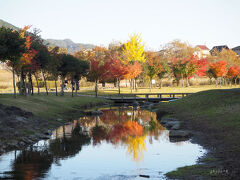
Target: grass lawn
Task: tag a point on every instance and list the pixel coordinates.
(191, 89)
(216, 115)
(51, 105)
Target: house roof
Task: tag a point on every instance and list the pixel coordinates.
(218, 48)
(202, 47)
(236, 50)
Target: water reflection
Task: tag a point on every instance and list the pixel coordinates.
(31, 164)
(118, 127)
(123, 136)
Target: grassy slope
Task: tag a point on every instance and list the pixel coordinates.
(216, 115)
(50, 106)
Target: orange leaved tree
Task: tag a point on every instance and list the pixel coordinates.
(219, 70)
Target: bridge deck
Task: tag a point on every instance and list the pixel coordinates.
(150, 97)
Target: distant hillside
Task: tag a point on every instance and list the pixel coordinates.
(8, 25)
(66, 43)
(69, 44)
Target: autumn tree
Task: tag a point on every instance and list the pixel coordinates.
(150, 67)
(27, 63)
(180, 56)
(97, 66)
(156, 65)
(229, 56)
(133, 71)
(42, 57)
(219, 70)
(133, 55)
(184, 68)
(12, 46)
(115, 70)
(233, 73)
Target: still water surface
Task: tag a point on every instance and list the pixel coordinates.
(120, 144)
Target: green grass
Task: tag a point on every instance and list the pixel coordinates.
(50, 106)
(216, 114)
(191, 89)
(187, 171)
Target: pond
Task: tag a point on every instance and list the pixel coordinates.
(123, 143)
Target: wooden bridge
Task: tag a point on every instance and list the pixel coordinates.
(149, 97)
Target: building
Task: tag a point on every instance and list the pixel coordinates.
(237, 50)
(216, 49)
(202, 51)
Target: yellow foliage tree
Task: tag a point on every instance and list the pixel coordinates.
(229, 56)
(133, 50)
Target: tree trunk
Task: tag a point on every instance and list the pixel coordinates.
(150, 85)
(45, 82)
(30, 84)
(235, 81)
(96, 88)
(37, 83)
(178, 82)
(62, 88)
(56, 86)
(115, 82)
(21, 85)
(135, 84)
(77, 87)
(187, 82)
(14, 86)
(182, 81)
(72, 86)
(130, 84)
(119, 90)
(160, 86)
(25, 86)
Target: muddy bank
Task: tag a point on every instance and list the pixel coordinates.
(19, 128)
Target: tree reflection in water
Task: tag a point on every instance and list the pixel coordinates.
(34, 162)
(68, 146)
(128, 128)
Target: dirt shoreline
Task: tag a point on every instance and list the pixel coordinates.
(20, 128)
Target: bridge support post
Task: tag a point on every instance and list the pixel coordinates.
(147, 96)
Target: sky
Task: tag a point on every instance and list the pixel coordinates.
(100, 22)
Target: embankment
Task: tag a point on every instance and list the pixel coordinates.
(213, 117)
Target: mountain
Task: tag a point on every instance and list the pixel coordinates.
(8, 25)
(66, 43)
(69, 44)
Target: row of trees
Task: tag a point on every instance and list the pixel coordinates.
(28, 56)
(176, 60)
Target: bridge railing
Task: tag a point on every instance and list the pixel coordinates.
(152, 95)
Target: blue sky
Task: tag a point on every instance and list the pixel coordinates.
(210, 22)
